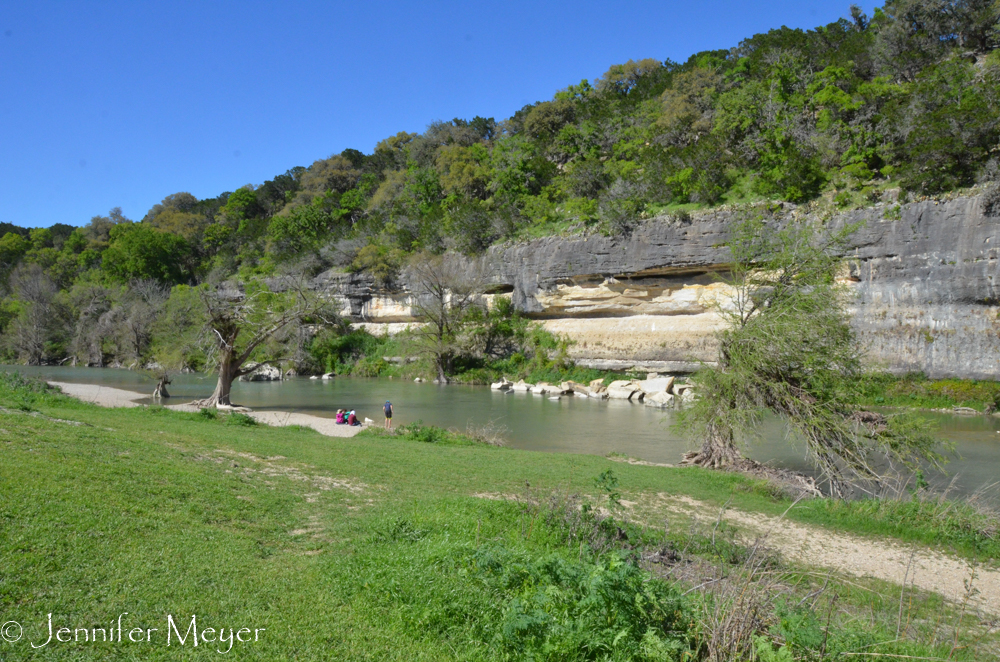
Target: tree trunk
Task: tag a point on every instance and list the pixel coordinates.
(161, 388)
(442, 376)
(717, 451)
(228, 371)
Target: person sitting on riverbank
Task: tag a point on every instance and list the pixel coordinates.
(352, 419)
(341, 420)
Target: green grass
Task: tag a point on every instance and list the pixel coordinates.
(916, 390)
(371, 548)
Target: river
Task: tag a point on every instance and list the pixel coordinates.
(532, 422)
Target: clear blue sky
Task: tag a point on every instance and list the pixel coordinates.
(106, 104)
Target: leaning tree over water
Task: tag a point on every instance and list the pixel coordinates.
(787, 349)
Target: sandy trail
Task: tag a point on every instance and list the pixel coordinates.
(883, 559)
(116, 397)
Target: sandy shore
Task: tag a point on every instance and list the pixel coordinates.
(115, 397)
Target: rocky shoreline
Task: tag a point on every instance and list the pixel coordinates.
(654, 391)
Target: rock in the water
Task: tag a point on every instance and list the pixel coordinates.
(656, 385)
(659, 399)
(418, 379)
(261, 373)
(328, 375)
(291, 372)
(554, 397)
(521, 385)
(622, 392)
(600, 395)
(502, 385)
(542, 388)
(314, 377)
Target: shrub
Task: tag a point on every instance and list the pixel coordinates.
(236, 418)
(429, 434)
(559, 609)
(25, 393)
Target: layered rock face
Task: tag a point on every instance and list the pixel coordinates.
(927, 284)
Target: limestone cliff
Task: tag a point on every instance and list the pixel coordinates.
(927, 285)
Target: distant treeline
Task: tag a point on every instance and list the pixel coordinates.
(908, 98)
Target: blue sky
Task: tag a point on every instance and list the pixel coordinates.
(106, 104)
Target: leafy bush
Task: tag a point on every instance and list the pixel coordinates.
(559, 609)
(26, 393)
(429, 434)
(236, 418)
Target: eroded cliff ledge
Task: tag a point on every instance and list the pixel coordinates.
(926, 283)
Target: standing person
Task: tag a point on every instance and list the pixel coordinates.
(388, 415)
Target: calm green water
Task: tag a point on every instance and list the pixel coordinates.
(532, 422)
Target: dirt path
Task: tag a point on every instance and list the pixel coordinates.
(115, 397)
(883, 559)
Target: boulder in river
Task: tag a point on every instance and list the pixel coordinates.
(328, 375)
(656, 385)
(659, 399)
(626, 392)
(521, 385)
(502, 385)
(261, 372)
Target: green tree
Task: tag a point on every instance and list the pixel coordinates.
(240, 321)
(137, 251)
(954, 126)
(444, 292)
(787, 349)
(12, 249)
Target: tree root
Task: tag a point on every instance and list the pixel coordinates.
(212, 403)
(789, 481)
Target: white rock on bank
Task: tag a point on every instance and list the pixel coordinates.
(522, 386)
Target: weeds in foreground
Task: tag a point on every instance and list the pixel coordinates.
(741, 602)
(489, 434)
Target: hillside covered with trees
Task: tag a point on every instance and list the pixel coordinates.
(908, 99)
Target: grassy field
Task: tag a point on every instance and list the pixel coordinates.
(384, 548)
